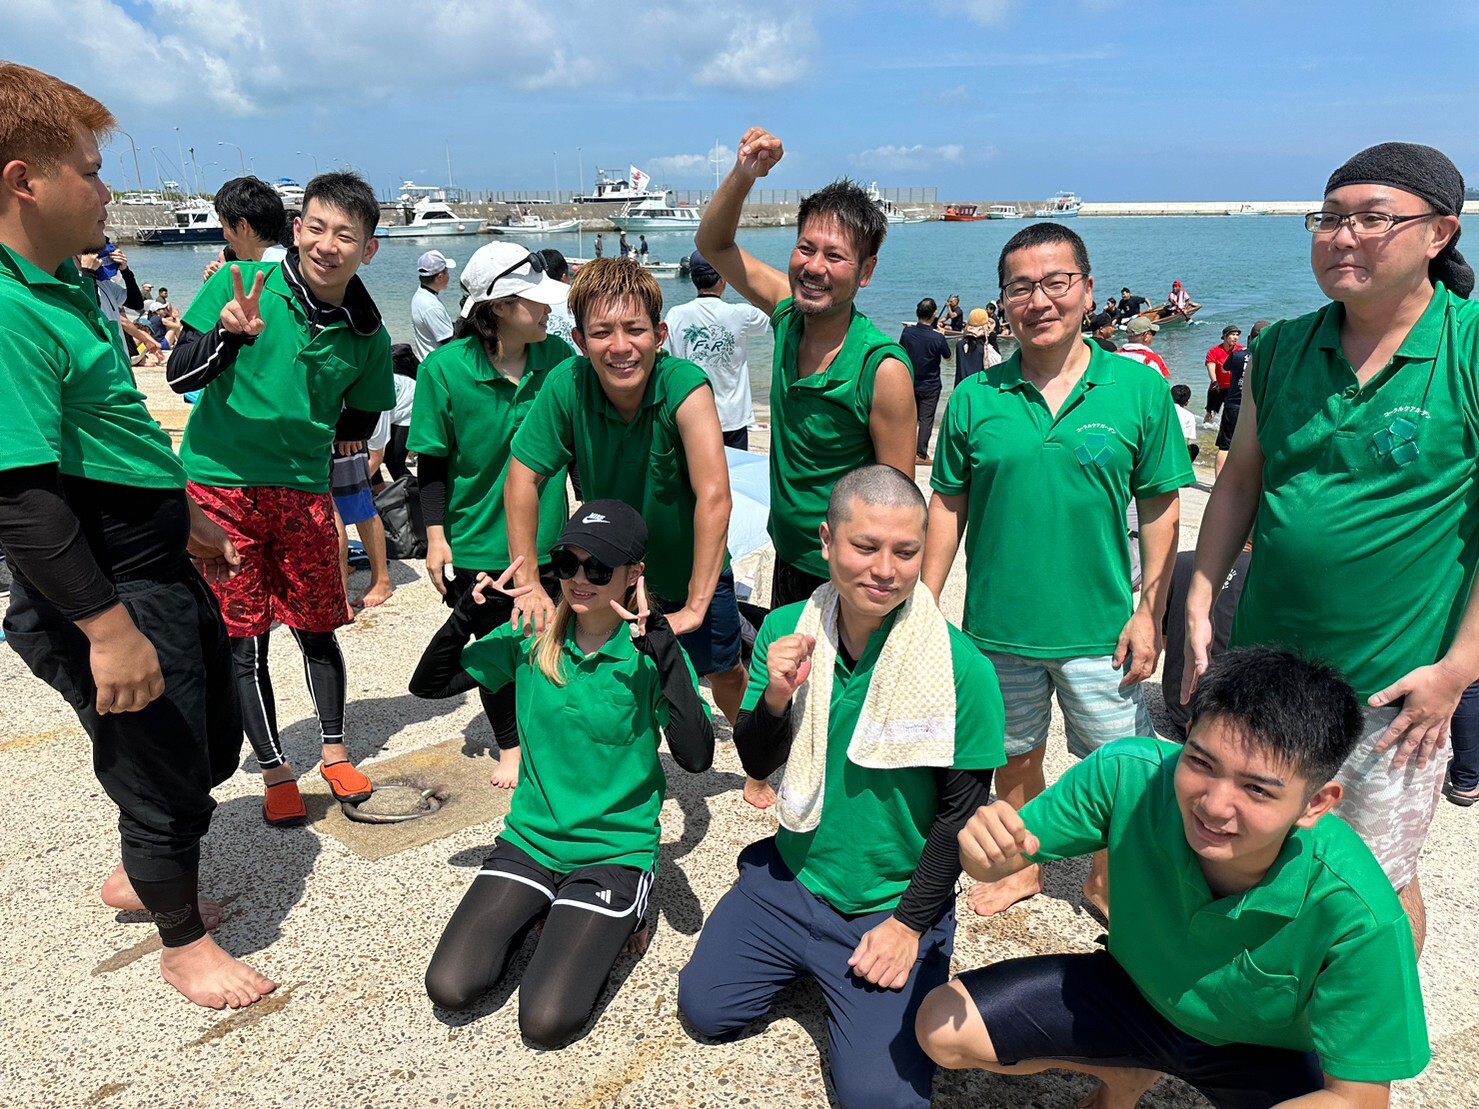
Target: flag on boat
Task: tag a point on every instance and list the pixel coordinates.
(639, 179)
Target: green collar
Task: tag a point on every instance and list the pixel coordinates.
(27, 273)
(1007, 376)
(1421, 343)
(618, 648)
(649, 398)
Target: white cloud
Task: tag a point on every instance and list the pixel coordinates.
(257, 57)
(689, 167)
(918, 156)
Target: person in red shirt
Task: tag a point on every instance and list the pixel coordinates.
(1142, 333)
(1219, 379)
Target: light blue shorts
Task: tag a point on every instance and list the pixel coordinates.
(1095, 709)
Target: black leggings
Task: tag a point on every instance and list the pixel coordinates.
(565, 976)
(323, 665)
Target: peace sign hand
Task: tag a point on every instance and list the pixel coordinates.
(500, 584)
(638, 619)
(242, 315)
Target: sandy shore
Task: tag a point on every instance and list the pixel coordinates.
(345, 917)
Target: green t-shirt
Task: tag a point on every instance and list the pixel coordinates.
(818, 430)
(1365, 543)
(641, 463)
(467, 412)
(269, 418)
(590, 782)
(1316, 957)
(863, 855)
(1047, 548)
(71, 397)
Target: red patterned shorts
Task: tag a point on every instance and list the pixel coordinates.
(289, 559)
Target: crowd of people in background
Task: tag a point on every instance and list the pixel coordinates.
(1265, 916)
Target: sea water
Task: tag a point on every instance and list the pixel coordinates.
(1241, 268)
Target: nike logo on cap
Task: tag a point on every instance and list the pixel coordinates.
(595, 518)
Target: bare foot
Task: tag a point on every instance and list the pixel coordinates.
(118, 893)
(990, 898)
(759, 793)
(638, 942)
(208, 976)
(377, 595)
(1124, 1091)
(506, 776)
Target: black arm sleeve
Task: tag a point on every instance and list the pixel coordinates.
(201, 357)
(690, 731)
(431, 476)
(355, 424)
(932, 889)
(44, 539)
(134, 298)
(763, 741)
(439, 673)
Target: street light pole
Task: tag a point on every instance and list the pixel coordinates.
(557, 176)
(135, 146)
(306, 154)
(240, 153)
(181, 145)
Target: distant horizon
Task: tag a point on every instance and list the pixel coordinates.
(1244, 99)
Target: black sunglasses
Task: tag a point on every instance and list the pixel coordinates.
(536, 264)
(566, 565)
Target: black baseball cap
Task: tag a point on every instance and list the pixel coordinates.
(612, 531)
(1103, 319)
(700, 272)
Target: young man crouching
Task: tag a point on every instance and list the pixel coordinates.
(1258, 952)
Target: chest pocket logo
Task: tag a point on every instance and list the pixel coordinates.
(1398, 441)
(1094, 450)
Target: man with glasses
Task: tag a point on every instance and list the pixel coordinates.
(1357, 460)
(1042, 456)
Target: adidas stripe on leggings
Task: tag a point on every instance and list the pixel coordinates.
(323, 665)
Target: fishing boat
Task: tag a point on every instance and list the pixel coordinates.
(613, 189)
(426, 214)
(1245, 210)
(1003, 211)
(193, 221)
(1059, 206)
(140, 200)
(667, 271)
(1165, 314)
(962, 213)
(654, 213)
(525, 223)
(891, 211)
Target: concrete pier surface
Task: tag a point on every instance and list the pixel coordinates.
(344, 917)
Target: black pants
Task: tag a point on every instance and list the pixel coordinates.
(789, 584)
(158, 765)
(927, 403)
(739, 438)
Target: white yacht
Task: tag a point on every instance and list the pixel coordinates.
(1003, 211)
(1060, 206)
(140, 200)
(526, 223)
(611, 188)
(655, 213)
(425, 214)
(290, 192)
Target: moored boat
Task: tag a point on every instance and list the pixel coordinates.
(655, 213)
(962, 213)
(1003, 211)
(526, 223)
(428, 217)
(1060, 206)
(195, 221)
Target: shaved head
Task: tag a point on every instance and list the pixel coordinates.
(879, 486)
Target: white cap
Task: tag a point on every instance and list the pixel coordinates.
(434, 262)
(505, 269)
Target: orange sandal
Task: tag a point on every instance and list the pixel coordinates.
(347, 783)
(283, 806)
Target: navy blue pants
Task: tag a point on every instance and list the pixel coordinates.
(769, 931)
(1463, 771)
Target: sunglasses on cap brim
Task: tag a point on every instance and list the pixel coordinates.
(566, 565)
(536, 264)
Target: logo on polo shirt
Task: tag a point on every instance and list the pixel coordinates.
(1398, 441)
(595, 518)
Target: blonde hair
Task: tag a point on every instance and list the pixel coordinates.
(614, 279)
(40, 116)
(549, 658)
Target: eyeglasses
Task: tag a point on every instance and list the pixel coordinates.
(566, 565)
(1361, 223)
(536, 264)
(1055, 285)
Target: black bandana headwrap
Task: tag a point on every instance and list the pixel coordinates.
(1421, 171)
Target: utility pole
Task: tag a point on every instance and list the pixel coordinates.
(181, 150)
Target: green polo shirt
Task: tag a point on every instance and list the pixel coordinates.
(467, 412)
(71, 397)
(269, 418)
(818, 430)
(1316, 957)
(863, 855)
(1047, 548)
(641, 463)
(590, 782)
(1365, 543)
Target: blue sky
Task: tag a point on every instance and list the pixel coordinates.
(1237, 100)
